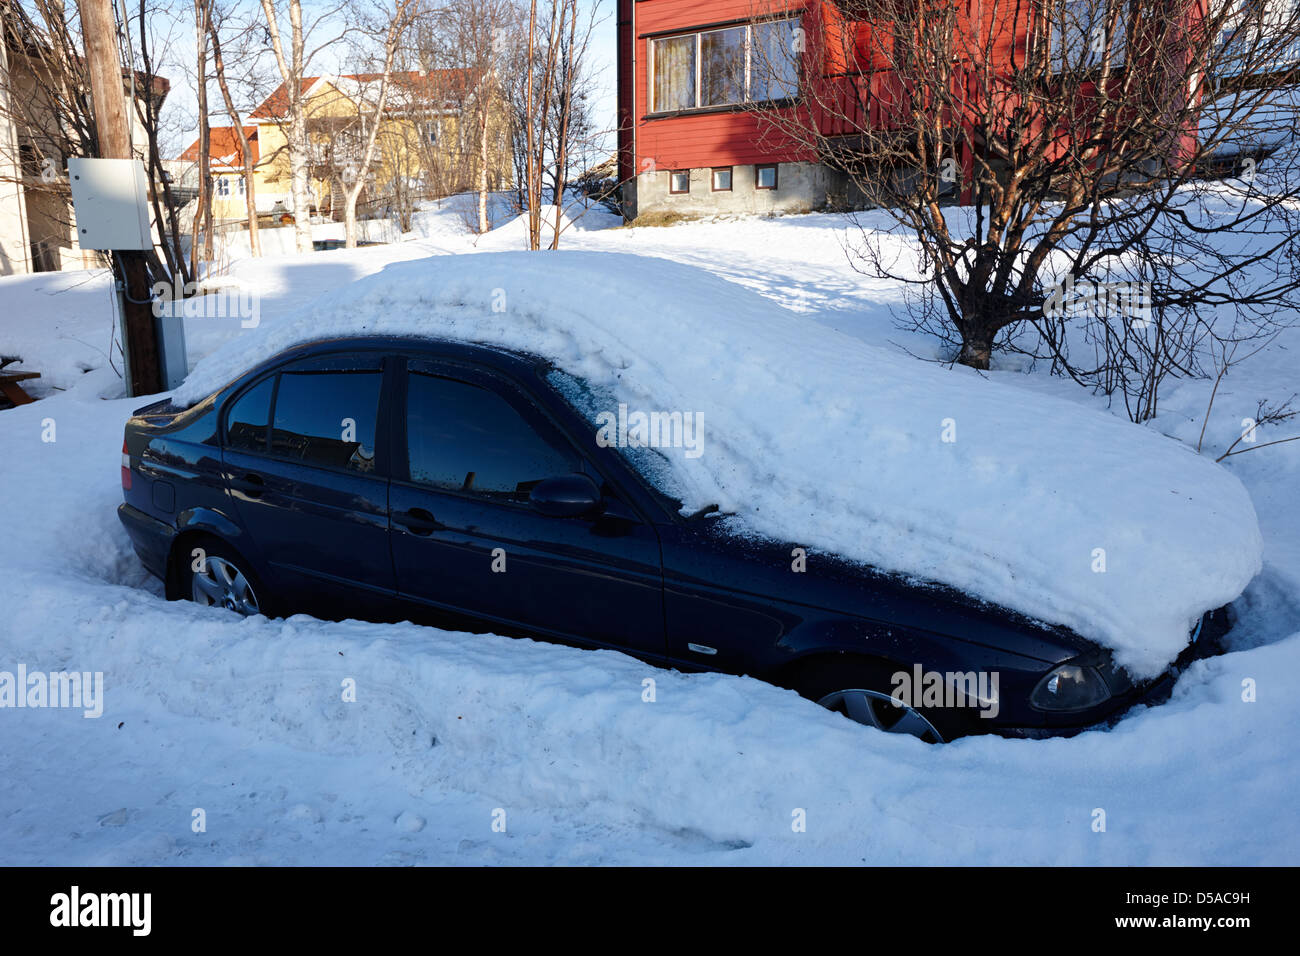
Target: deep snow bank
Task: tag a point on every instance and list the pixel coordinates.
(810, 436)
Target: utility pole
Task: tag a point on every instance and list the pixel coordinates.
(112, 128)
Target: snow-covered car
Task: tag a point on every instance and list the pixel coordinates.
(674, 476)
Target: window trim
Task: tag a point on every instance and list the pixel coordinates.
(748, 24)
(776, 176)
(713, 178)
(679, 192)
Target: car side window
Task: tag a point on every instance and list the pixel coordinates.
(467, 438)
(327, 417)
(249, 416)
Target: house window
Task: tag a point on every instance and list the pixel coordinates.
(765, 176)
(722, 179)
(223, 187)
(748, 63)
(1241, 33)
(674, 68)
(722, 67)
(679, 181)
(1083, 31)
(239, 185)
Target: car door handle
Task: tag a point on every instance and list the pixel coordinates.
(417, 521)
(250, 484)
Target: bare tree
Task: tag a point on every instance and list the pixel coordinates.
(1030, 148)
(148, 108)
(50, 105)
(474, 42)
(548, 107)
(203, 209)
(236, 121)
(398, 22)
(292, 61)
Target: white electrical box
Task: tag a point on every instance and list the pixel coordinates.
(110, 201)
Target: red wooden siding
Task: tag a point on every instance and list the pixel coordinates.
(702, 139)
(839, 51)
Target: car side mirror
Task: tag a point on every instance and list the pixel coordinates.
(566, 496)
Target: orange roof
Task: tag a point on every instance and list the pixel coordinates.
(224, 146)
(275, 104)
(444, 82)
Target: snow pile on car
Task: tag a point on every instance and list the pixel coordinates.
(1065, 514)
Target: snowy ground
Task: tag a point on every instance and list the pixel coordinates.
(244, 718)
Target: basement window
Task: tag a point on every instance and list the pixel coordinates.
(722, 179)
(679, 181)
(765, 176)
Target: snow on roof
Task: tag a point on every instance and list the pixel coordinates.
(1066, 514)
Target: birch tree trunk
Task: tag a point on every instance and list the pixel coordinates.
(250, 195)
(484, 104)
(396, 28)
(297, 141)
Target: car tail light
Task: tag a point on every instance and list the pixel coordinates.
(126, 467)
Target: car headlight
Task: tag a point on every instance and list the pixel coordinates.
(1070, 687)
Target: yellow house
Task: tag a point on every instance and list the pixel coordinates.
(227, 165)
(428, 144)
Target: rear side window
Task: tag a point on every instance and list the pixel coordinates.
(247, 420)
(327, 418)
(463, 437)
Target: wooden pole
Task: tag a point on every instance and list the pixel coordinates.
(139, 328)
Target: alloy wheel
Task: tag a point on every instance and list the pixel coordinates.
(882, 712)
(222, 584)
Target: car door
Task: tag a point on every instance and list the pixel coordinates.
(466, 540)
(304, 456)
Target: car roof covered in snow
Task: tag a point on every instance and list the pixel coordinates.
(1065, 514)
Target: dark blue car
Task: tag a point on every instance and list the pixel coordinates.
(454, 485)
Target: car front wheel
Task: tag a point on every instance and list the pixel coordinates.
(859, 689)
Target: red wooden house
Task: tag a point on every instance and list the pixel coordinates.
(695, 133)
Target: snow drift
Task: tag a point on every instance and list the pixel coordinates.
(1065, 514)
